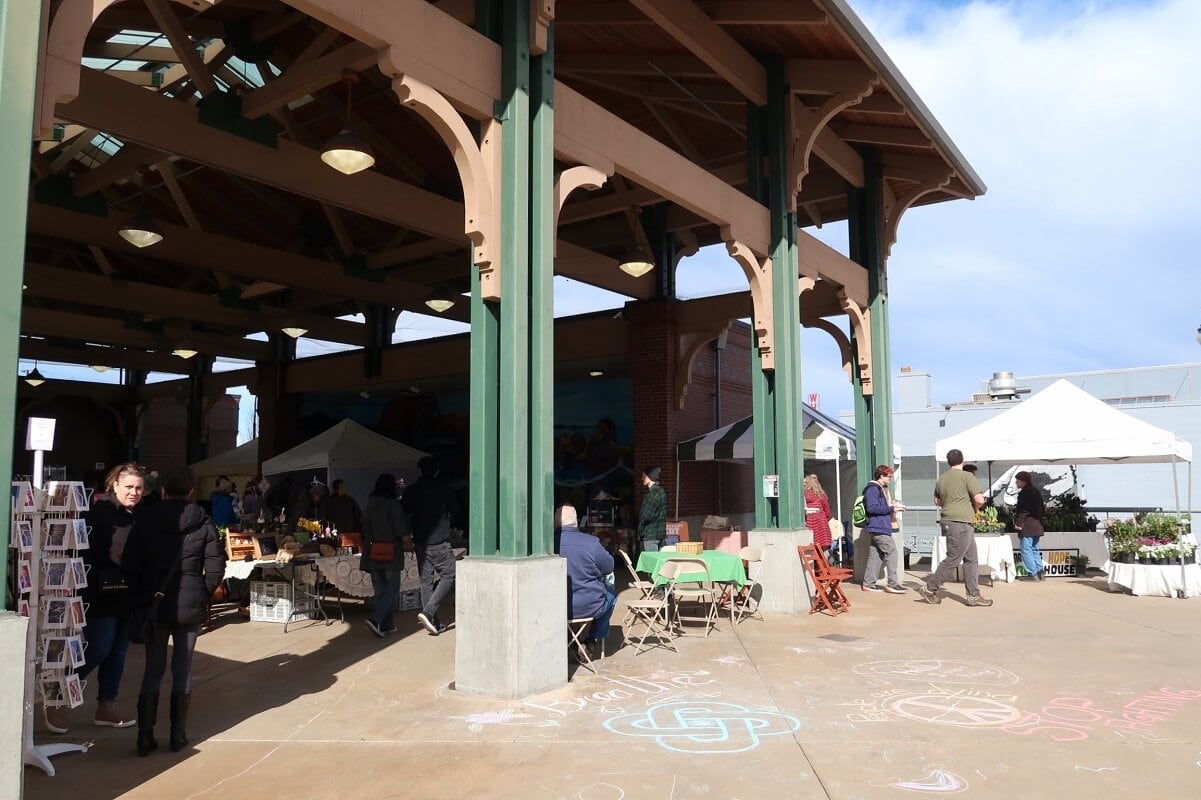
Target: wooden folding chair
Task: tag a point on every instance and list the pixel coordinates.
(700, 591)
(655, 612)
(827, 590)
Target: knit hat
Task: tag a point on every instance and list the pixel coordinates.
(653, 473)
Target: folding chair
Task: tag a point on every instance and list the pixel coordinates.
(700, 591)
(644, 587)
(744, 602)
(827, 592)
(655, 612)
(576, 628)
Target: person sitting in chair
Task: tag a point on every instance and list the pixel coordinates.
(589, 565)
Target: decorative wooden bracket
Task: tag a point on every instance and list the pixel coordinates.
(479, 207)
(688, 358)
(933, 183)
(840, 339)
(758, 273)
(542, 12)
(63, 55)
(849, 89)
(573, 178)
(861, 325)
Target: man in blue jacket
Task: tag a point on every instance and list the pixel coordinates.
(880, 508)
(589, 567)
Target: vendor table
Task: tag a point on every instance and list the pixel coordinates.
(992, 550)
(723, 567)
(1155, 581)
(1087, 543)
(730, 542)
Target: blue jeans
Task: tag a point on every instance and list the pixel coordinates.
(107, 638)
(386, 583)
(600, 620)
(1032, 560)
(431, 559)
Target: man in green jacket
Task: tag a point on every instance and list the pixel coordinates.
(652, 520)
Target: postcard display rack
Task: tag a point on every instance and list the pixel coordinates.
(48, 531)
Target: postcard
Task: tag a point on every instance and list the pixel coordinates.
(56, 653)
(23, 608)
(54, 692)
(77, 612)
(75, 651)
(58, 573)
(79, 573)
(56, 534)
(74, 691)
(79, 497)
(24, 577)
(24, 529)
(23, 498)
(56, 610)
(82, 534)
(59, 496)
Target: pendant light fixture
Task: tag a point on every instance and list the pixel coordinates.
(294, 331)
(34, 377)
(442, 300)
(636, 263)
(140, 231)
(99, 368)
(184, 351)
(348, 152)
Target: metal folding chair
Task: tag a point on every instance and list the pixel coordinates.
(744, 603)
(655, 612)
(699, 591)
(576, 628)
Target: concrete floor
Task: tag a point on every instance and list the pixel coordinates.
(1060, 690)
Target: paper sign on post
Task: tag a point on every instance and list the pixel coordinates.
(771, 485)
(40, 434)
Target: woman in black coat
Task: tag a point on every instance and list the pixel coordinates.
(385, 523)
(111, 518)
(174, 548)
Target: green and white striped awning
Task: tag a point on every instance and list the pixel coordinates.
(824, 438)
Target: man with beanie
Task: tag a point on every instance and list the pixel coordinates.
(652, 519)
(430, 505)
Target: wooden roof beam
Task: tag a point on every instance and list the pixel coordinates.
(128, 160)
(307, 78)
(127, 51)
(692, 28)
(114, 357)
(172, 27)
(887, 135)
(735, 12)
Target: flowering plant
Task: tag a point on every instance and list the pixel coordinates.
(987, 520)
(310, 525)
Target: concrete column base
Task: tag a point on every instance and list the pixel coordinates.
(511, 626)
(785, 589)
(12, 702)
(863, 544)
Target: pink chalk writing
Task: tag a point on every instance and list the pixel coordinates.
(1073, 719)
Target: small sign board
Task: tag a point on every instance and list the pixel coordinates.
(771, 485)
(1058, 563)
(39, 435)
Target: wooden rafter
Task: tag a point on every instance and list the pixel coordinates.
(172, 27)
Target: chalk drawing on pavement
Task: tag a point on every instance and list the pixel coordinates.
(703, 727)
(933, 669)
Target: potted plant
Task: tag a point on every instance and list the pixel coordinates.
(1080, 562)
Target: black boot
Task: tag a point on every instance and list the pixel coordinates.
(147, 713)
(179, 720)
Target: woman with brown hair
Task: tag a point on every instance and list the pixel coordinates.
(108, 599)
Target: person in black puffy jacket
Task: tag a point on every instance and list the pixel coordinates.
(173, 538)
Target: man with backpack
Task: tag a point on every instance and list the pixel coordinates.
(879, 510)
(958, 494)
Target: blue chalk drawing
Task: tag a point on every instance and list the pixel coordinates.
(703, 726)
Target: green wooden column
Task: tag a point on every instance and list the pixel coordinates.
(512, 358)
(19, 25)
(786, 380)
(865, 228)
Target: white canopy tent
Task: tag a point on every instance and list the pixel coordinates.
(240, 465)
(350, 452)
(1063, 424)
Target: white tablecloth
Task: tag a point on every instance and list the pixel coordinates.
(1155, 581)
(344, 573)
(995, 551)
(241, 569)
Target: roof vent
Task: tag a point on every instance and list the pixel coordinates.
(1002, 385)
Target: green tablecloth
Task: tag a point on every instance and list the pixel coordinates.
(723, 567)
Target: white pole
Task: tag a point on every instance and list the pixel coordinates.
(677, 489)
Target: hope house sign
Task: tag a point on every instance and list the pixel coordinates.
(1059, 563)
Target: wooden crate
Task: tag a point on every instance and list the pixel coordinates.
(239, 545)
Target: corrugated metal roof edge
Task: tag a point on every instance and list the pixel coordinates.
(862, 38)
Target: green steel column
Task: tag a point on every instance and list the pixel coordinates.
(514, 460)
(762, 386)
(541, 302)
(132, 380)
(195, 448)
(786, 309)
(877, 291)
(483, 520)
(19, 33)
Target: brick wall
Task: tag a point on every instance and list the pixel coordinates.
(164, 431)
(705, 488)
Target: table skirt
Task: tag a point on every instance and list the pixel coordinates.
(1149, 580)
